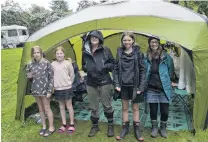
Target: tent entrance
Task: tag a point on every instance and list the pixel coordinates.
(179, 119)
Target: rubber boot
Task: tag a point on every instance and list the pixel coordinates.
(124, 131)
(163, 126)
(94, 128)
(154, 132)
(110, 131)
(137, 132)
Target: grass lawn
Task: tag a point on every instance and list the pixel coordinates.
(13, 130)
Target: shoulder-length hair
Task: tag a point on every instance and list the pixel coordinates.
(130, 34)
(36, 48)
(154, 55)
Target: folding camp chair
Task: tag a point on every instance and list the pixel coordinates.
(181, 96)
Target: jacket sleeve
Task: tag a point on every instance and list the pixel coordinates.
(170, 67)
(142, 73)
(116, 72)
(83, 63)
(109, 65)
(50, 78)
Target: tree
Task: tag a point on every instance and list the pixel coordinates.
(38, 16)
(12, 13)
(37, 9)
(33, 18)
(198, 6)
(59, 6)
(54, 16)
(202, 7)
(85, 3)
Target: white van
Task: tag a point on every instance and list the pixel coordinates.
(13, 35)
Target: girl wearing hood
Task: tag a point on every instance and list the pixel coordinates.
(160, 70)
(97, 61)
(129, 80)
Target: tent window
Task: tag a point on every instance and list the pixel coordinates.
(12, 33)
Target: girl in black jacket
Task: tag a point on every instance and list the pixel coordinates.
(129, 80)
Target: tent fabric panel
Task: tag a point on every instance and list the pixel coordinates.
(202, 38)
(143, 42)
(28, 101)
(113, 42)
(185, 35)
(21, 85)
(64, 34)
(78, 51)
(136, 8)
(201, 97)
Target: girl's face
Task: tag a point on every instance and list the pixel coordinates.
(154, 44)
(127, 42)
(37, 55)
(94, 40)
(60, 55)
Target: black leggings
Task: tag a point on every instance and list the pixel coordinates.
(164, 108)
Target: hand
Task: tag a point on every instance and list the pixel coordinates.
(139, 92)
(174, 84)
(81, 78)
(118, 89)
(105, 68)
(30, 75)
(48, 95)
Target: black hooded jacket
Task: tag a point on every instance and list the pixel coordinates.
(99, 64)
(139, 80)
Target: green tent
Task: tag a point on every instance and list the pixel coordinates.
(168, 21)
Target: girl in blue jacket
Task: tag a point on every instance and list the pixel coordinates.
(160, 70)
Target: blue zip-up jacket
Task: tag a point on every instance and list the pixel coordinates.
(166, 73)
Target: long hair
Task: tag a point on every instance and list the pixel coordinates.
(33, 49)
(130, 34)
(154, 55)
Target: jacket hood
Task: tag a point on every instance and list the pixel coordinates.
(86, 37)
(97, 34)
